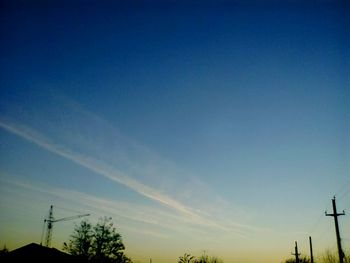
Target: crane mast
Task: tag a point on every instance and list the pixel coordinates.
(50, 220)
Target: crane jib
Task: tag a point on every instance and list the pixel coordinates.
(50, 220)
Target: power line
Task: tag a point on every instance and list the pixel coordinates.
(67, 209)
(343, 191)
(344, 186)
(344, 194)
(315, 225)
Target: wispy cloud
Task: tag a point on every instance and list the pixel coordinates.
(113, 174)
(63, 127)
(95, 166)
(96, 206)
(132, 217)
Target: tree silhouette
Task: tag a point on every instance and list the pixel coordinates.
(301, 260)
(186, 258)
(3, 254)
(206, 259)
(107, 244)
(331, 256)
(4, 250)
(81, 240)
(100, 243)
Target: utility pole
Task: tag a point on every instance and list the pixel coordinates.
(335, 215)
(311, 254)
(296, 253)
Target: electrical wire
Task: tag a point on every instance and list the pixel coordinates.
(345, 187)
(68, 209)
(42, 233)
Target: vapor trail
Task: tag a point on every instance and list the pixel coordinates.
(109, 172)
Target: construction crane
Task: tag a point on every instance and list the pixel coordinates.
(49, 222)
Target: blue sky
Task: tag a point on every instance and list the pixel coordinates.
(197, 126)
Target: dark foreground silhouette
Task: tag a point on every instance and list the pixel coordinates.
(38, 254)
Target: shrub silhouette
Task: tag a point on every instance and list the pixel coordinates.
(187, 258)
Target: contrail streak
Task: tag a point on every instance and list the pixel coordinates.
(109, 172)
(94, 165)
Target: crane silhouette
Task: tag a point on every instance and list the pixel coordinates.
(49, 222)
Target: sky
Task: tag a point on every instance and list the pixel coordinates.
(217, 127)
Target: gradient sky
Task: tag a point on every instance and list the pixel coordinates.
(203, 126)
